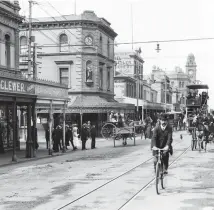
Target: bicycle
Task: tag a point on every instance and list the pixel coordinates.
(194, 139)
(159, 172)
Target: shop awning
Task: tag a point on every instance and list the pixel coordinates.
(94, 104)
(97, 104)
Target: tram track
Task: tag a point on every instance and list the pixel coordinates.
(116, 178)
(151, 181)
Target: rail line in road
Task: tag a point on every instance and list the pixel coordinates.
(150, 182)
(116, 178)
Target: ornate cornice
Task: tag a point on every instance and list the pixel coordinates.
(62, 24)
(10, 19)
(137, 58)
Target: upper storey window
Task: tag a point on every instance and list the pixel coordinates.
(101, 43)
(108, 49)
(7, 50)
(23, 44)
(63, 43)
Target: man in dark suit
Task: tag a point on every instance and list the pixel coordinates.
(84, 135)
(162, 138)
(93, 137)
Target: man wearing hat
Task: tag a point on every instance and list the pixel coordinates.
(162, 138)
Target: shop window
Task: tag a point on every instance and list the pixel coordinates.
(7, 50)
(64, 78)
(63, 43)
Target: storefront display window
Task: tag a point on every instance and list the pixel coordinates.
(6, 131)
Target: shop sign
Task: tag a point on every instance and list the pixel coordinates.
(124, 64)
(9, 85)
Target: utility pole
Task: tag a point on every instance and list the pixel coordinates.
(132, 26)
(29, 37)
(165, 93)
(34, 61)
(137, 92)
(75, 7)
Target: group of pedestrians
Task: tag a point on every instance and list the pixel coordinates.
(88, 132)
(72, 136)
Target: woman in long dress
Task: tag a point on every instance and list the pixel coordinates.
(75, 136)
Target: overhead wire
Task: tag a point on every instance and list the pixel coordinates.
(72, 34)
(142, 42)
(77, 29)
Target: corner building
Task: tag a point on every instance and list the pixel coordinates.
(78, 50)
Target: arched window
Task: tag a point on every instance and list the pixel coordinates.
(63, 43)
(23, 44)
(7, 50)
(89, 71)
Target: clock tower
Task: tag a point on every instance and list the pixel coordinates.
(191, 67)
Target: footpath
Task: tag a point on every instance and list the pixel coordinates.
(42, 152)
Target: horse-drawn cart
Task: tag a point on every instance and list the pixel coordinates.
(114, 131)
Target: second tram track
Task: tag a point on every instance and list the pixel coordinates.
(150, 182)
(106, 183)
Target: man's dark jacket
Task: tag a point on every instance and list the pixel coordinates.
(162, 138)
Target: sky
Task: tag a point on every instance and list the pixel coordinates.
(152, 20)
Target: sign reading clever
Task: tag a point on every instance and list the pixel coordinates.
(9, 85)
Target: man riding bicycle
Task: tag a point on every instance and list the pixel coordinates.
(162, 138)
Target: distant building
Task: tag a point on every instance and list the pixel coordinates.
(179, 80)
(129, 74)
(191, 67)
(78, 50)
(128, 78)
(161, 84)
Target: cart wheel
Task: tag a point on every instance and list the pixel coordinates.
(108, 131)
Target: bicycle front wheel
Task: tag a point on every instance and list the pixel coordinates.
(205, 146)
(157, 177)
(193, 144)
(161, 175)
(199, 145)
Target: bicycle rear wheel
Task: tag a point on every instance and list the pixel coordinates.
(161, 175)
(157, 177)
